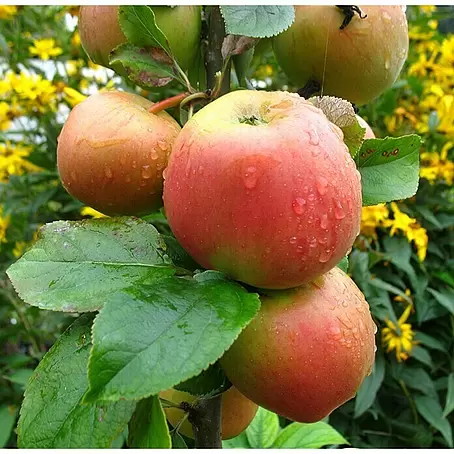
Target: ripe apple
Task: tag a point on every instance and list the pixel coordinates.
(363, 123)
(100, 31)
(261, 186)
(237, 412)
(357, 63)
(308, 349)
(111, 153)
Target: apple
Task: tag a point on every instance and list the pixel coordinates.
(363, 123)
(237, 412)
(111, 153)
(100, 31)
(261, 186)
(357, 63)
(308, 349)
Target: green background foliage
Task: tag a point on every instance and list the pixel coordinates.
(402, 260)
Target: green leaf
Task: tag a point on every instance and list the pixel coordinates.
(178, 255)
(367, 392)
(52, 415)
(445, 298)
(430, 341)
(449, 405)
(343, 264)
(177, 440)
(20, 376)
(148, 427)
(7, 420)
(422, 355)
(309, 436)
(78, 266)
(419, 379)
(389, 168)
(150, 338)
(242, 64)
(148, 67)
(138, 23)
(257, 21)
(240, 441)
(341, 113)
(263, 430)
(209, 382)
(431, 411)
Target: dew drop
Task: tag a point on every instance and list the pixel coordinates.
(164, 173)
(386, 16)
(250, 177)
(73, 175)
(387, 64)
(324, 221)
(154, 155)
(312, 241)
(324, 256)
(162, 144)
(146, 172)
(339, 212)
(311, 197)
(322, 185)
(298, 205)
(134, 164)
(292, 240)
(108, 172)
(314, 139)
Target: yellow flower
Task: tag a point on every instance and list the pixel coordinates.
(5, 120)
(88, 211)
(7, 11)
(399, 337)
(411, 229)
(75, 39)
(39, 94)
(428, 9)
(13, 161)
(45, 48)
(437, 166)
(73, 97)
(4, 223)
(401, 298)
(372, 217)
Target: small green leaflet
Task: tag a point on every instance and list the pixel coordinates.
(7, 421)
(138, 23)
(149, 338)
(148, 67)
(263, 430)
(309, 436)
(52, 415)
(78, 266)
(257, 21)
(148, 427)
(389, 168)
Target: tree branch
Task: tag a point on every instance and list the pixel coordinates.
(205, 418)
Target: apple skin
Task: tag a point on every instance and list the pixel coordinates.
(111, 153)
(237, 412)
(308, 349)
(362, 60)
(100, 31)
(274, 204)
(363, 123)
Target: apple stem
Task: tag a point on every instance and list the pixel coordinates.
(311, 88)
(167, 103)
(205, 417)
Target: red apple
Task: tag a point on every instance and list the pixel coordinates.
(237, 412)
(261, 186)
(308, 349)
(111, 153)
(100, 31)
(357, 63)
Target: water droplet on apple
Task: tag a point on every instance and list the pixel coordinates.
(314, 139)
(324, 221)
(325, 256)
(387, 64)
(146, 172)
(312, 241)
(73, 175)
(386, 16)
(292, 240)
(298, 205)
(134, 164)
(311, 197)
(339, 212)
(322, 185)
(250, 177)
(154, 155)
(108, 172)
(162, 144)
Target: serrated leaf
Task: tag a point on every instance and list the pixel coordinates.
(52, 415)
(138, 24)
(368, 390)
(78, 266)
(257, 21)
(431, 411)
(449, 405)
(343, 264)
(389, 168)
(341, 113)
(308, 436)
(263, 430)
(148, 427)
(209, 382)
(7, 420)
(148, 67)
(238, 442)
(150, 338)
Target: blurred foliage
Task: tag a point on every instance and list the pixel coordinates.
(403, 259)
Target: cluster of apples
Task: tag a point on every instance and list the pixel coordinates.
(259, 185)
